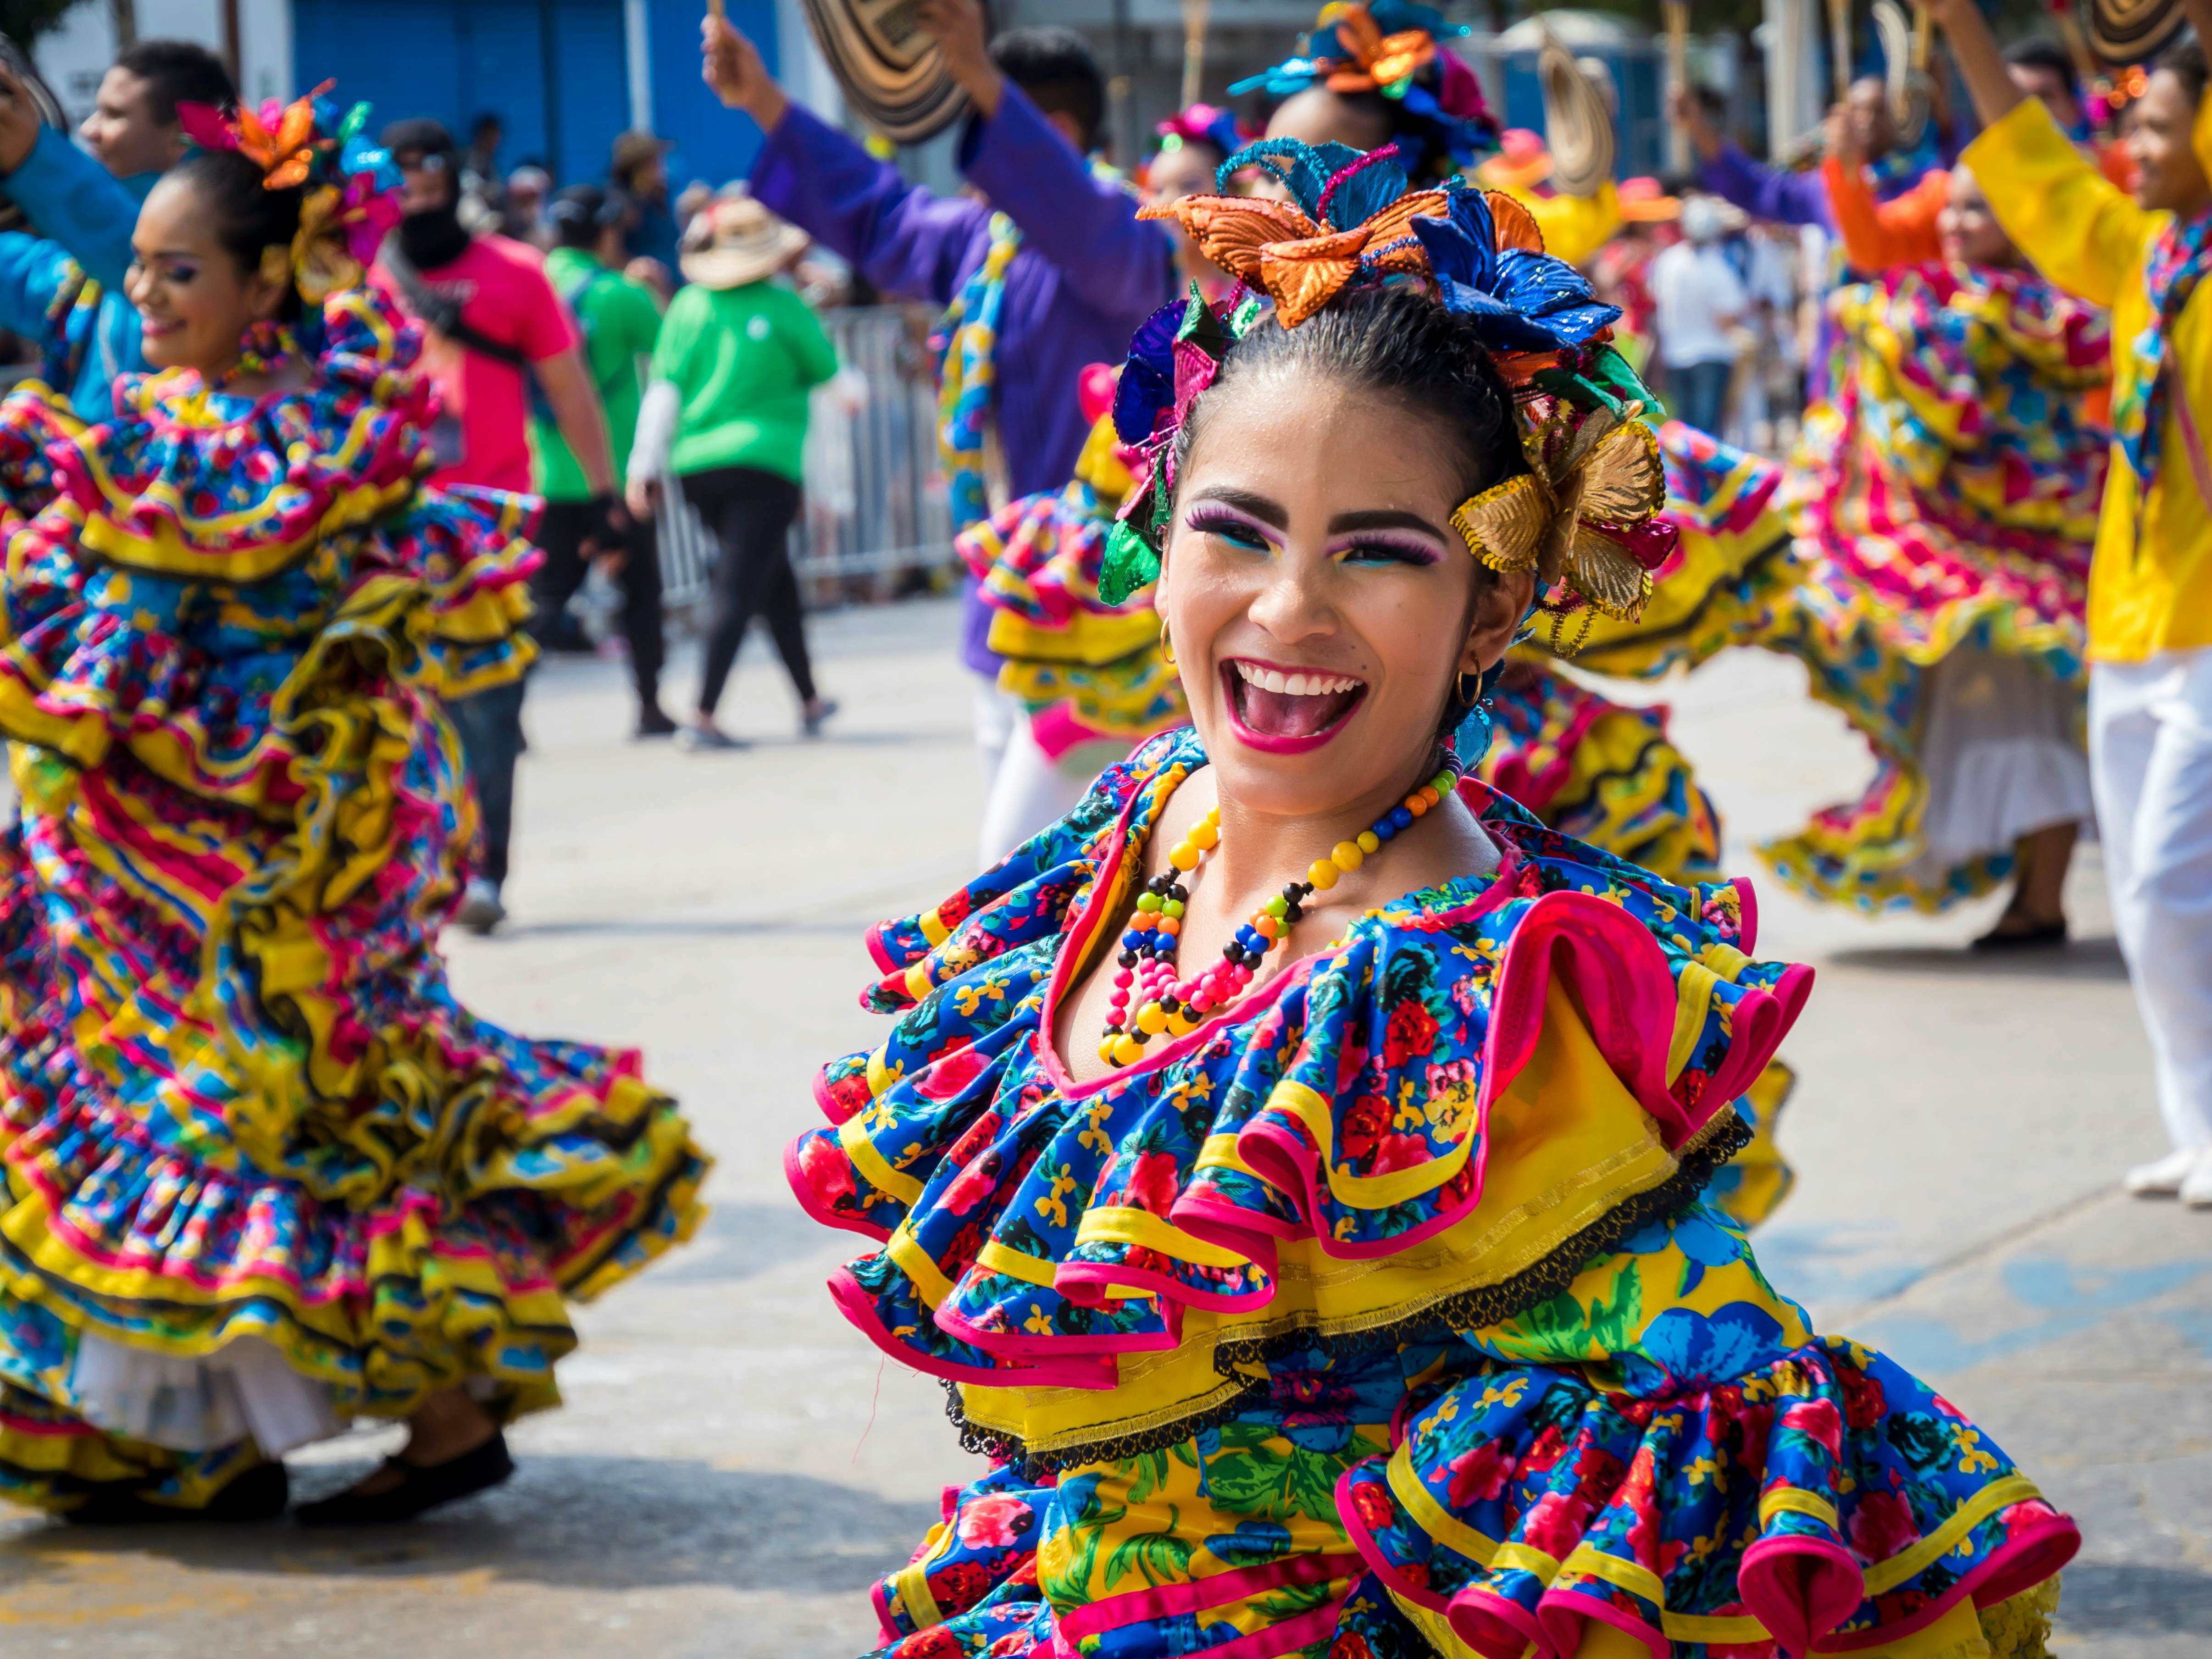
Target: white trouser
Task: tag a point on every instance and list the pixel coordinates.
(2150, 760)
(997, 714)
(1033, 790)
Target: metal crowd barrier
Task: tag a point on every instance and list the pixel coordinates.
(874, 520)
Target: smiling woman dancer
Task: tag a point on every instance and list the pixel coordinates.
(1290, 1159)
(262, 1172)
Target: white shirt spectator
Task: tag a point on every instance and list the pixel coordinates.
(1698, 296)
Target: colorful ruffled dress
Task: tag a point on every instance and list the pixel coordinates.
(262, 1171)
(1380, 1316)
(1607, 773)
(1944, 498)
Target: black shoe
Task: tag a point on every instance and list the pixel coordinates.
(420, 1488)
(2043, 936)
(811, 720)
(654, 724)
(259, 1494)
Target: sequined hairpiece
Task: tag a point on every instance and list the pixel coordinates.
(352, 186)
(1582, 517)
(1391, 47)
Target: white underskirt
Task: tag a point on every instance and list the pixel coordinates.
(244, 1387)
(2000, 752)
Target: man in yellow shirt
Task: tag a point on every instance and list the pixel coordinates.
(2150, 584)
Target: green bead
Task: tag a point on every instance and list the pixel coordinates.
(1441, 783)
(1277, 907)
(1172, 908)
(1148, 900)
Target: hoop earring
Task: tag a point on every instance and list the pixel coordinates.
(1167, 646)
(1462, 696)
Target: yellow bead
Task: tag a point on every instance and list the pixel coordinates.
(1127, 1051)
(1181, 1024)
(1183, 856)
(1106, 1050)
(1322, 874)
(1152, 1020)
(1346, 855)
(1205, 836)
(1369, 842)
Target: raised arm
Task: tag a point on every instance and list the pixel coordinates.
(1763, 191)
(2072, 222)
(904, 239)
(1878, 235)
(68, 195)
(1086, 227)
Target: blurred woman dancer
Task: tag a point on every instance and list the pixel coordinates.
(264, 1173)
(1944, 498)
(1291, 1158)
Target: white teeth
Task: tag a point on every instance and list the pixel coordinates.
(1295, 685)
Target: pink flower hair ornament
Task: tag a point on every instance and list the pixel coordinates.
(351, 199)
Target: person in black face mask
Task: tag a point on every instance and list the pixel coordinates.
(501, 345)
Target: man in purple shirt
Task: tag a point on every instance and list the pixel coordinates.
(1085, 275)
(1781, 194)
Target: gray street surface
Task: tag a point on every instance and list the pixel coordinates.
(735, 1464)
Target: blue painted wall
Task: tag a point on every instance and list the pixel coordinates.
(556, 71)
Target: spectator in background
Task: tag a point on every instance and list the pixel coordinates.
(738, 356)
(1697, 300)
(480, 166)
(62, 286)
(639, 176)
(496, 330)
(620, 321)
(522, 210)
(1045, 263)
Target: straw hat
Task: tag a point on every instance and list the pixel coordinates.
(2132, 30)
(1577, 124)
(893, 75)
(736, 242)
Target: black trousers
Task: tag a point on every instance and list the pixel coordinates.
(561, 531)
(750, 513)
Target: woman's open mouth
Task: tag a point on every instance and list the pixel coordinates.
(1283, 711)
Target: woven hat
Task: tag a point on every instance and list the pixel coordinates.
(736, 242)
(2131, 31)
(1577, 124)
(893, 75)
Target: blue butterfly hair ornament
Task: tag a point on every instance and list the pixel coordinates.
(1583, 517)
(1393, 48)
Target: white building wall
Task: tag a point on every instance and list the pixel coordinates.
(74, 56)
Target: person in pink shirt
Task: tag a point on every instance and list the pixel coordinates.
(500, 339)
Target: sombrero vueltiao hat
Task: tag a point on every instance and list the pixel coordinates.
(1577, 124)
(1905, 85)
(2131, 31)
(893, 76)
(736, 242)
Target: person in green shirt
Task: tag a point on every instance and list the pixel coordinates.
(620, 322)
(725, 413)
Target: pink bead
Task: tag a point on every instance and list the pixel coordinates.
(1124, 977)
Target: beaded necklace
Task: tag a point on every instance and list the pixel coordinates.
(1146, 966)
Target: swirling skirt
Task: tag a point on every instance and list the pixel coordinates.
(245, 1124)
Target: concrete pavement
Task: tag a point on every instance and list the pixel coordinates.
(735, 1464)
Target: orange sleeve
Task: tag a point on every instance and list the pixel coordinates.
(1880, 234)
